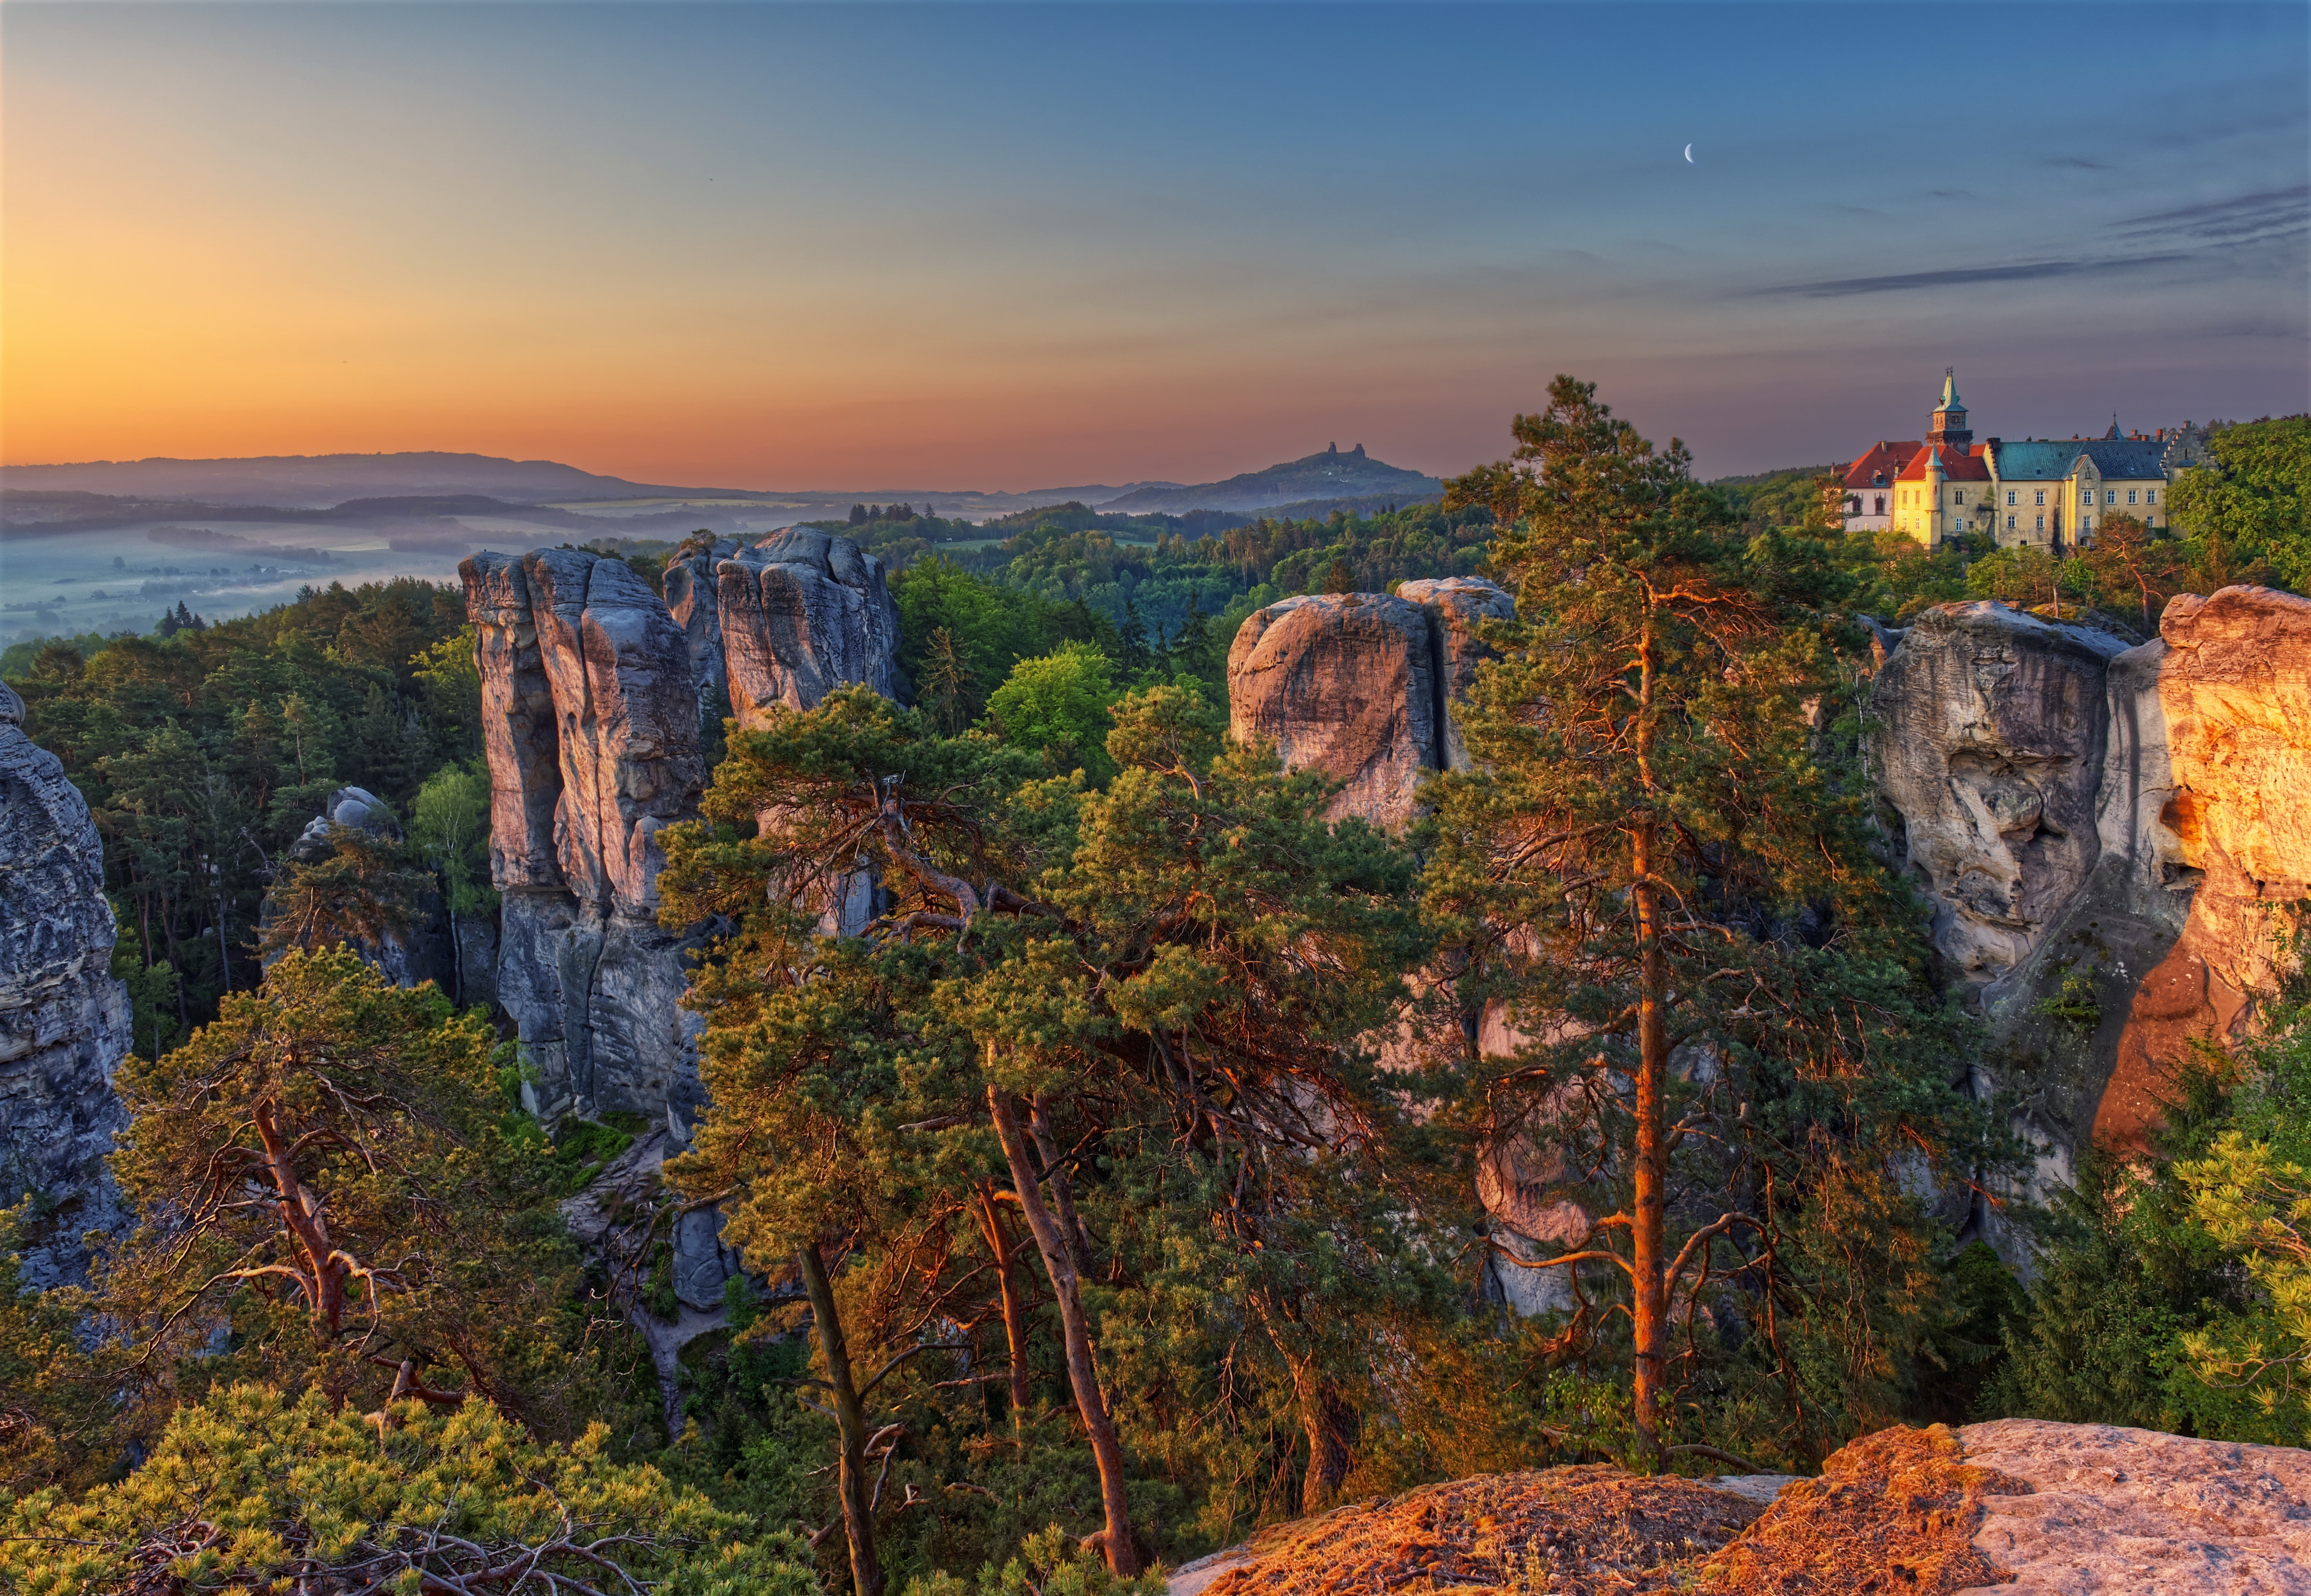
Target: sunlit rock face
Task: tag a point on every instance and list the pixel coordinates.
(2108, 839)
(1457, 606)
(64, 1018)
(2231, 834)
(1344, 682)
(625, 713)
(802, 614)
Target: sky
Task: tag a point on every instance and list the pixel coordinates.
(1003, 247)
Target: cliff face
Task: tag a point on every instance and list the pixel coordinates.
(802, 614)
(1356, 685)
(590, 718)
(593, 688)
(2108, 837)
(64, 1019)
(2232, 828)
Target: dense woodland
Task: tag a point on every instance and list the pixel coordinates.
(1118, 1189)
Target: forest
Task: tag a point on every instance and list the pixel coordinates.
(1117, 1189)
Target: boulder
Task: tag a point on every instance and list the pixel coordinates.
(802, 614)
(2116, 1511)
(1347, 684)
(64, 1018)
(425, 951)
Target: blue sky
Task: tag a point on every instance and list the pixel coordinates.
(966, 245)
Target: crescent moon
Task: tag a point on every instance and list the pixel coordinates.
(1688, 154)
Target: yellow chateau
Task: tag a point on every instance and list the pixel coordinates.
(2048, 494)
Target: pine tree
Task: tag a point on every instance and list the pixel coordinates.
(1660, 871)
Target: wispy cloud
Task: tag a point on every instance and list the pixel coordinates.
(2080, 163)
(1962, 276)
(2242, 219)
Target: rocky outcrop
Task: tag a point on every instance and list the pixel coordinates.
(2018, 1507)
(593, 690)
(1358, 685)
(693, 598)
(2134, 1512)
(802, 614)
(1457, 606)
(64, 1018)
(2108, 837)
(591, 718)
(2231, 831)
(1990, 750)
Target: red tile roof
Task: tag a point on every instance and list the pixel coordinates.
(1886, 457)
(1957, 467)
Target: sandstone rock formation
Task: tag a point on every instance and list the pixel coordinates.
(594, 689)
(693, 598)
(2117, 1512)
(1457, 606)
(2108, 837)
(1991, 752)
(64, 1018)
(1356, 684)
(802, 614)
(2018, 1507)
(589, 714)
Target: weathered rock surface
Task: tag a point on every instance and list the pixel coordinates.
(2116, 1511)
(802, 614)
(694, 599)
(591, 718)
(1457, 606)
(64, 1018)
(2013, 1508)
(1991, 751)
(2109, 837)
(625, 719)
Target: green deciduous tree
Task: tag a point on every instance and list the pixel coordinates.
(2248, 506)
(1057, 705)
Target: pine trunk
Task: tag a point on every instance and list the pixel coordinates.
(850, 1422)
(1116, 1540)
(1648, 1261)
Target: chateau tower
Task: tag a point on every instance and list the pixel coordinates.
(1949, 426)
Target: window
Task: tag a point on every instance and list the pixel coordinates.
(2042, 499)
(2110, 495)
(2150, 497)
(1959, 496)
(2042, 523)
(2009, 496)
(2150, 520)
(1881, 505)
(2129, 495)
(2086, 495)
(2010, 520)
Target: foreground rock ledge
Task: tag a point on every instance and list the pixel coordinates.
(2018, 1507)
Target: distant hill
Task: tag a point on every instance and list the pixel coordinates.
(1327, 476)
(437, 483)
(319, 481)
